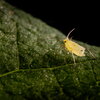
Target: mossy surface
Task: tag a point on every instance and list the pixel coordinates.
(34, 65)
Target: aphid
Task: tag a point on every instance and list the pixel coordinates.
(73, 47)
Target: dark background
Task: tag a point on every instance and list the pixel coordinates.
(66, 15)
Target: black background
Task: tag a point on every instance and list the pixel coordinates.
(66, 15)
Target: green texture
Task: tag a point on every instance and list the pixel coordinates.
(34, 65)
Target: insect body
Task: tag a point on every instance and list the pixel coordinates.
(73, 47)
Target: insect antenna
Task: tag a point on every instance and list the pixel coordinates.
(69, 33)
(91, 53)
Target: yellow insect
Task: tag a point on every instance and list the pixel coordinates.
(73, 47)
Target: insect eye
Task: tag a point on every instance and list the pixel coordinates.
(65, 41)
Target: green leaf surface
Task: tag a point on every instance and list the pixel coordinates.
(34, 65)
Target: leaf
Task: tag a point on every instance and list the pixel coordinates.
(35, 65)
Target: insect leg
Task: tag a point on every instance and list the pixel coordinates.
(67, 52)
(73, 58)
